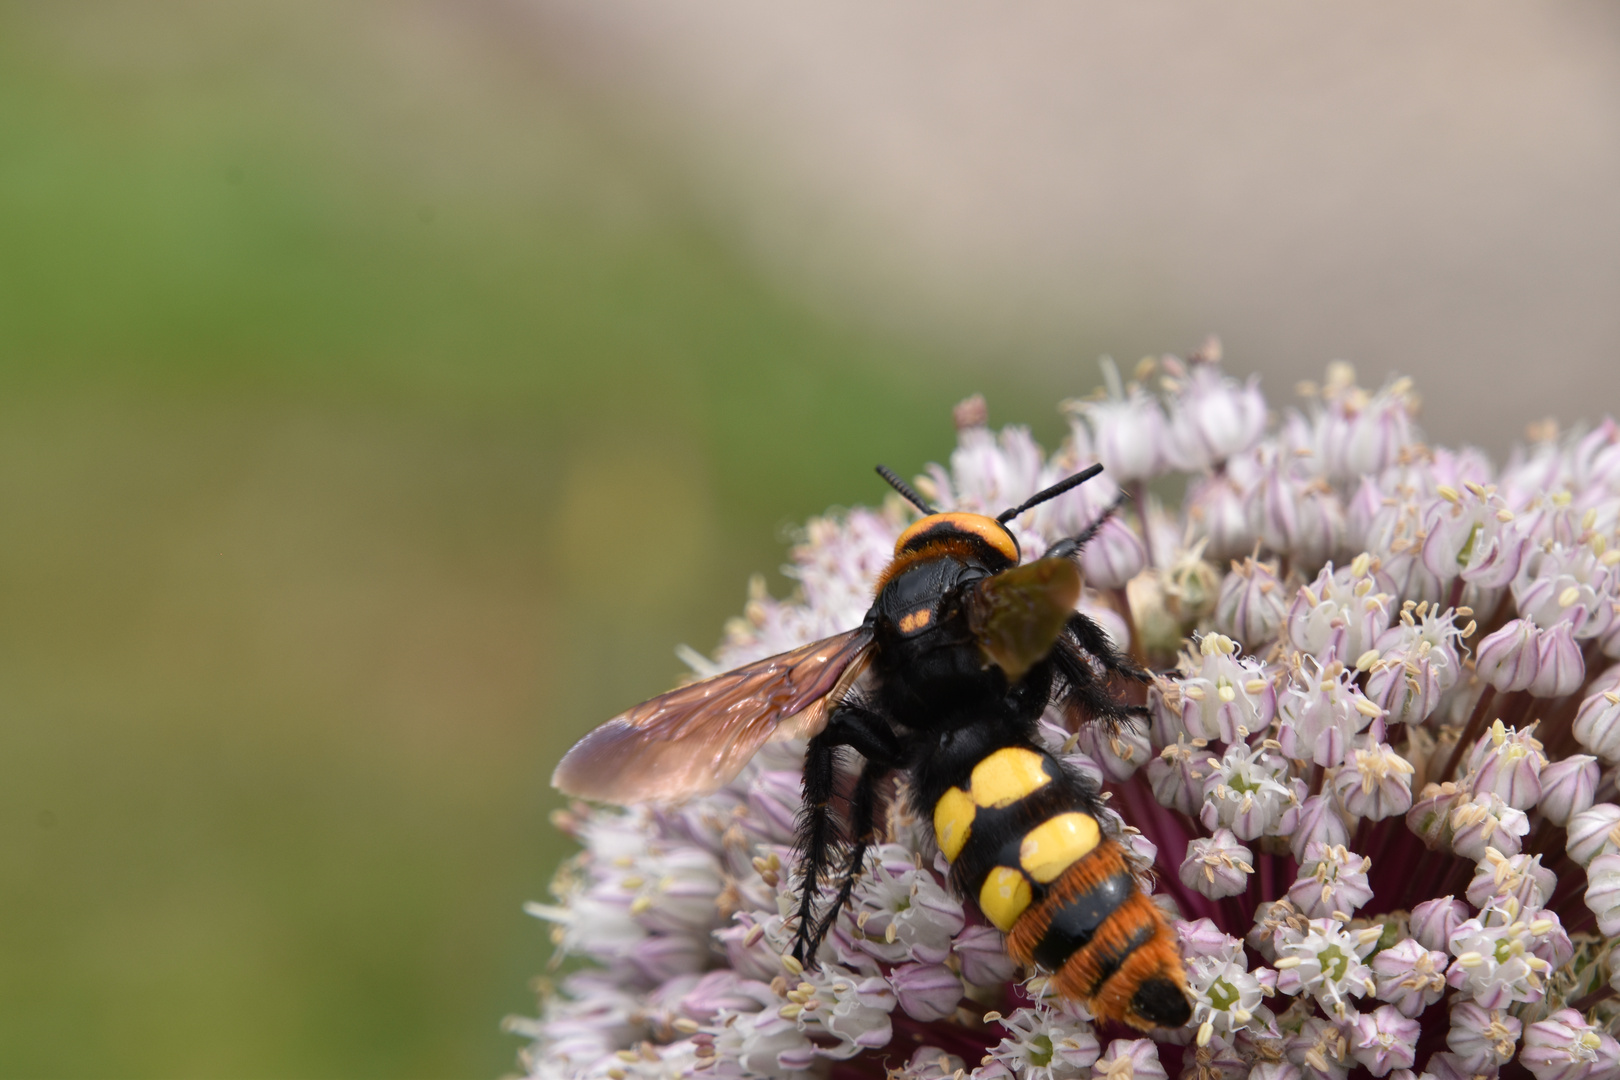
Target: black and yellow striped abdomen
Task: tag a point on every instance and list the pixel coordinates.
(1023, 841)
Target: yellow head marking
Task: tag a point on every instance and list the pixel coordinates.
(1007, 776)
(1056, 844)
(916, 620)
(953, 821)
(1005, 895)
(985, 528)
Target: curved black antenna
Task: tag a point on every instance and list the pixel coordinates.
(1050, 493)
(1091, 530)
(906, 491)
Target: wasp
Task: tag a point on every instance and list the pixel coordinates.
(943, 683)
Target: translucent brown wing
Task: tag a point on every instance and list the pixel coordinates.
(1018, 614)
(695, 740)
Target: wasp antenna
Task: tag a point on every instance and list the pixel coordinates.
(1050, 493)
(906, 491)
(1091, 530)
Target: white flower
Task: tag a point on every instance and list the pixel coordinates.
(1342, 612)
(1251, 605)
(1495, 961)
(1508, 763)
(1471, 534)
(1043, 1044)
(1226, 995)
(1217, 865)
(903, 910)
(1221, 695)
(1322, 711)
(1565, 1047)
(1331, 879)
(1250, 792)
(1326, 962)
(1127, 430)
(1484, 822)
(1213, 417)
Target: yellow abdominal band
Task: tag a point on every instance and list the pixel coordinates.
(1046, 851)
(1004, 897)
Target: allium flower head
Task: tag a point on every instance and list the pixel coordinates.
(1376, 789)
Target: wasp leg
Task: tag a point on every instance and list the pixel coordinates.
(1094, 641)
(863, 827)
(871, 736)
(1084, 691)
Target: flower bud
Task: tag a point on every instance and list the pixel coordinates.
(1567, 787)
(1603, 892)
(1128, 434)
(1212, 417)
(1119, 752)
(1275, 1070)
(1597, 725)
(1519, 876)
(1508, 659)
(1560, 670)
(1251, 605)
(926, 992)
(1508, 762)
(1375, 783)
(1113, 556)
(983, 952)
(1319, 822)
(775, 799)
(1217, 865)
(1129, 1059)
(1482, 1038)
(1485, 821)
(1434, 921)
(1590, 832)
(1219, 505)
(1409, 976)
(1430, 816)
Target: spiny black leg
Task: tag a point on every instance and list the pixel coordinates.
(871, 736)
(1085, 692)
(816, 834)
(863, 826)
(1092, 638)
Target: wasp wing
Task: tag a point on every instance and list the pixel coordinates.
(695, 739)
(1018, 614)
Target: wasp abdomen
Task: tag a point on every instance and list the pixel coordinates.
(1023, 842)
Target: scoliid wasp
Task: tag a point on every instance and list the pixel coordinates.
(943, 683)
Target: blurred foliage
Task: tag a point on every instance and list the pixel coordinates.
(372, 423)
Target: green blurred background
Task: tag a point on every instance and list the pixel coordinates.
(372, 422)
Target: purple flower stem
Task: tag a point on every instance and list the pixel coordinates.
(1471, 730)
